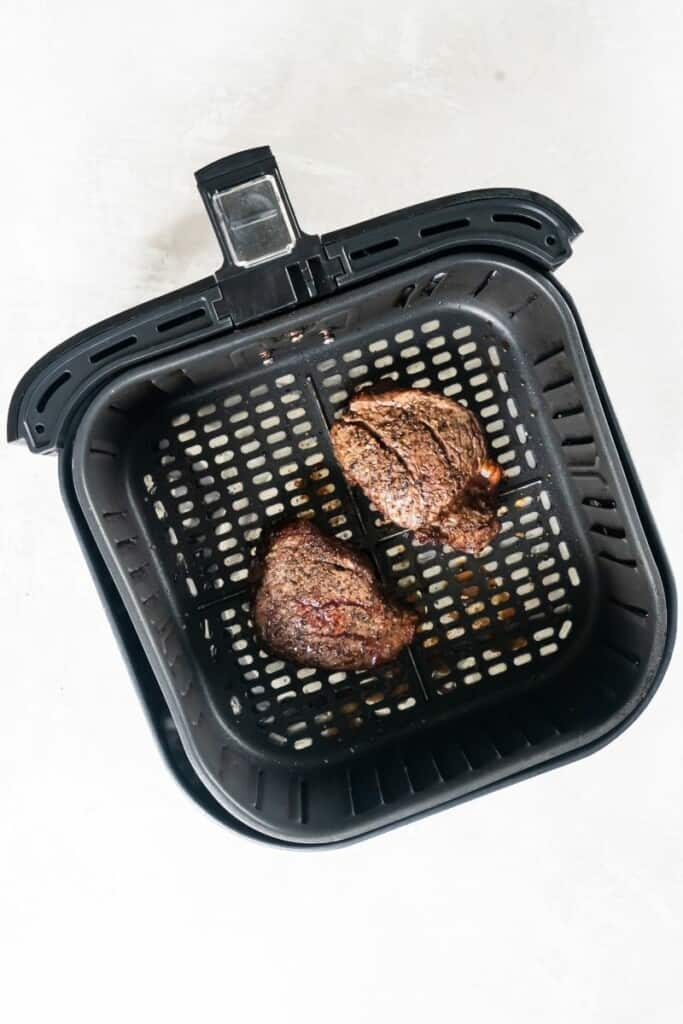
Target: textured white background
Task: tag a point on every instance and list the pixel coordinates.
(557, 900)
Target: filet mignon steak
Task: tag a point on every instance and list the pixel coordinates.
(421, 459)
(317, 602)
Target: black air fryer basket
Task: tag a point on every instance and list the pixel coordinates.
(189, 425)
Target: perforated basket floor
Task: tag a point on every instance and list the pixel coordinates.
(181, 466)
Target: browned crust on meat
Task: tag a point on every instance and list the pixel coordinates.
(317, 602)
(421, 459)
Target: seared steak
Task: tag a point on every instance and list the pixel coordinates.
(318, 602)
(421, 459)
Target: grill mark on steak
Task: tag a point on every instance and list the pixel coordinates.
(375, 434)
(318, 602)
(337, 565)
(462, 439)
(437, 448)
(414, 446)
(425, 484)
(478, 494)
(403, 498)
(333, 603)
(441, 444)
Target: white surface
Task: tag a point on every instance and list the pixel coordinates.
(560, 899)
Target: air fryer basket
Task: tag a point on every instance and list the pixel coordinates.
(539, 648)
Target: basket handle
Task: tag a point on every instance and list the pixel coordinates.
(269, 263)
(248, 206)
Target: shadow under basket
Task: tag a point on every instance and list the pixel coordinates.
(534, 652)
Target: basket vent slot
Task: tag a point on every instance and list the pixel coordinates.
(640, 613)
(517, 218)
(113, 349)
(444, 227)
(616, 532)
(181, 321)
(628, 563)
(545, 356)
(376, 247)
(605, 503)
(50, 390)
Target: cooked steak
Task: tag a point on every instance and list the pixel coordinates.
(318, 602)
(421, 459)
